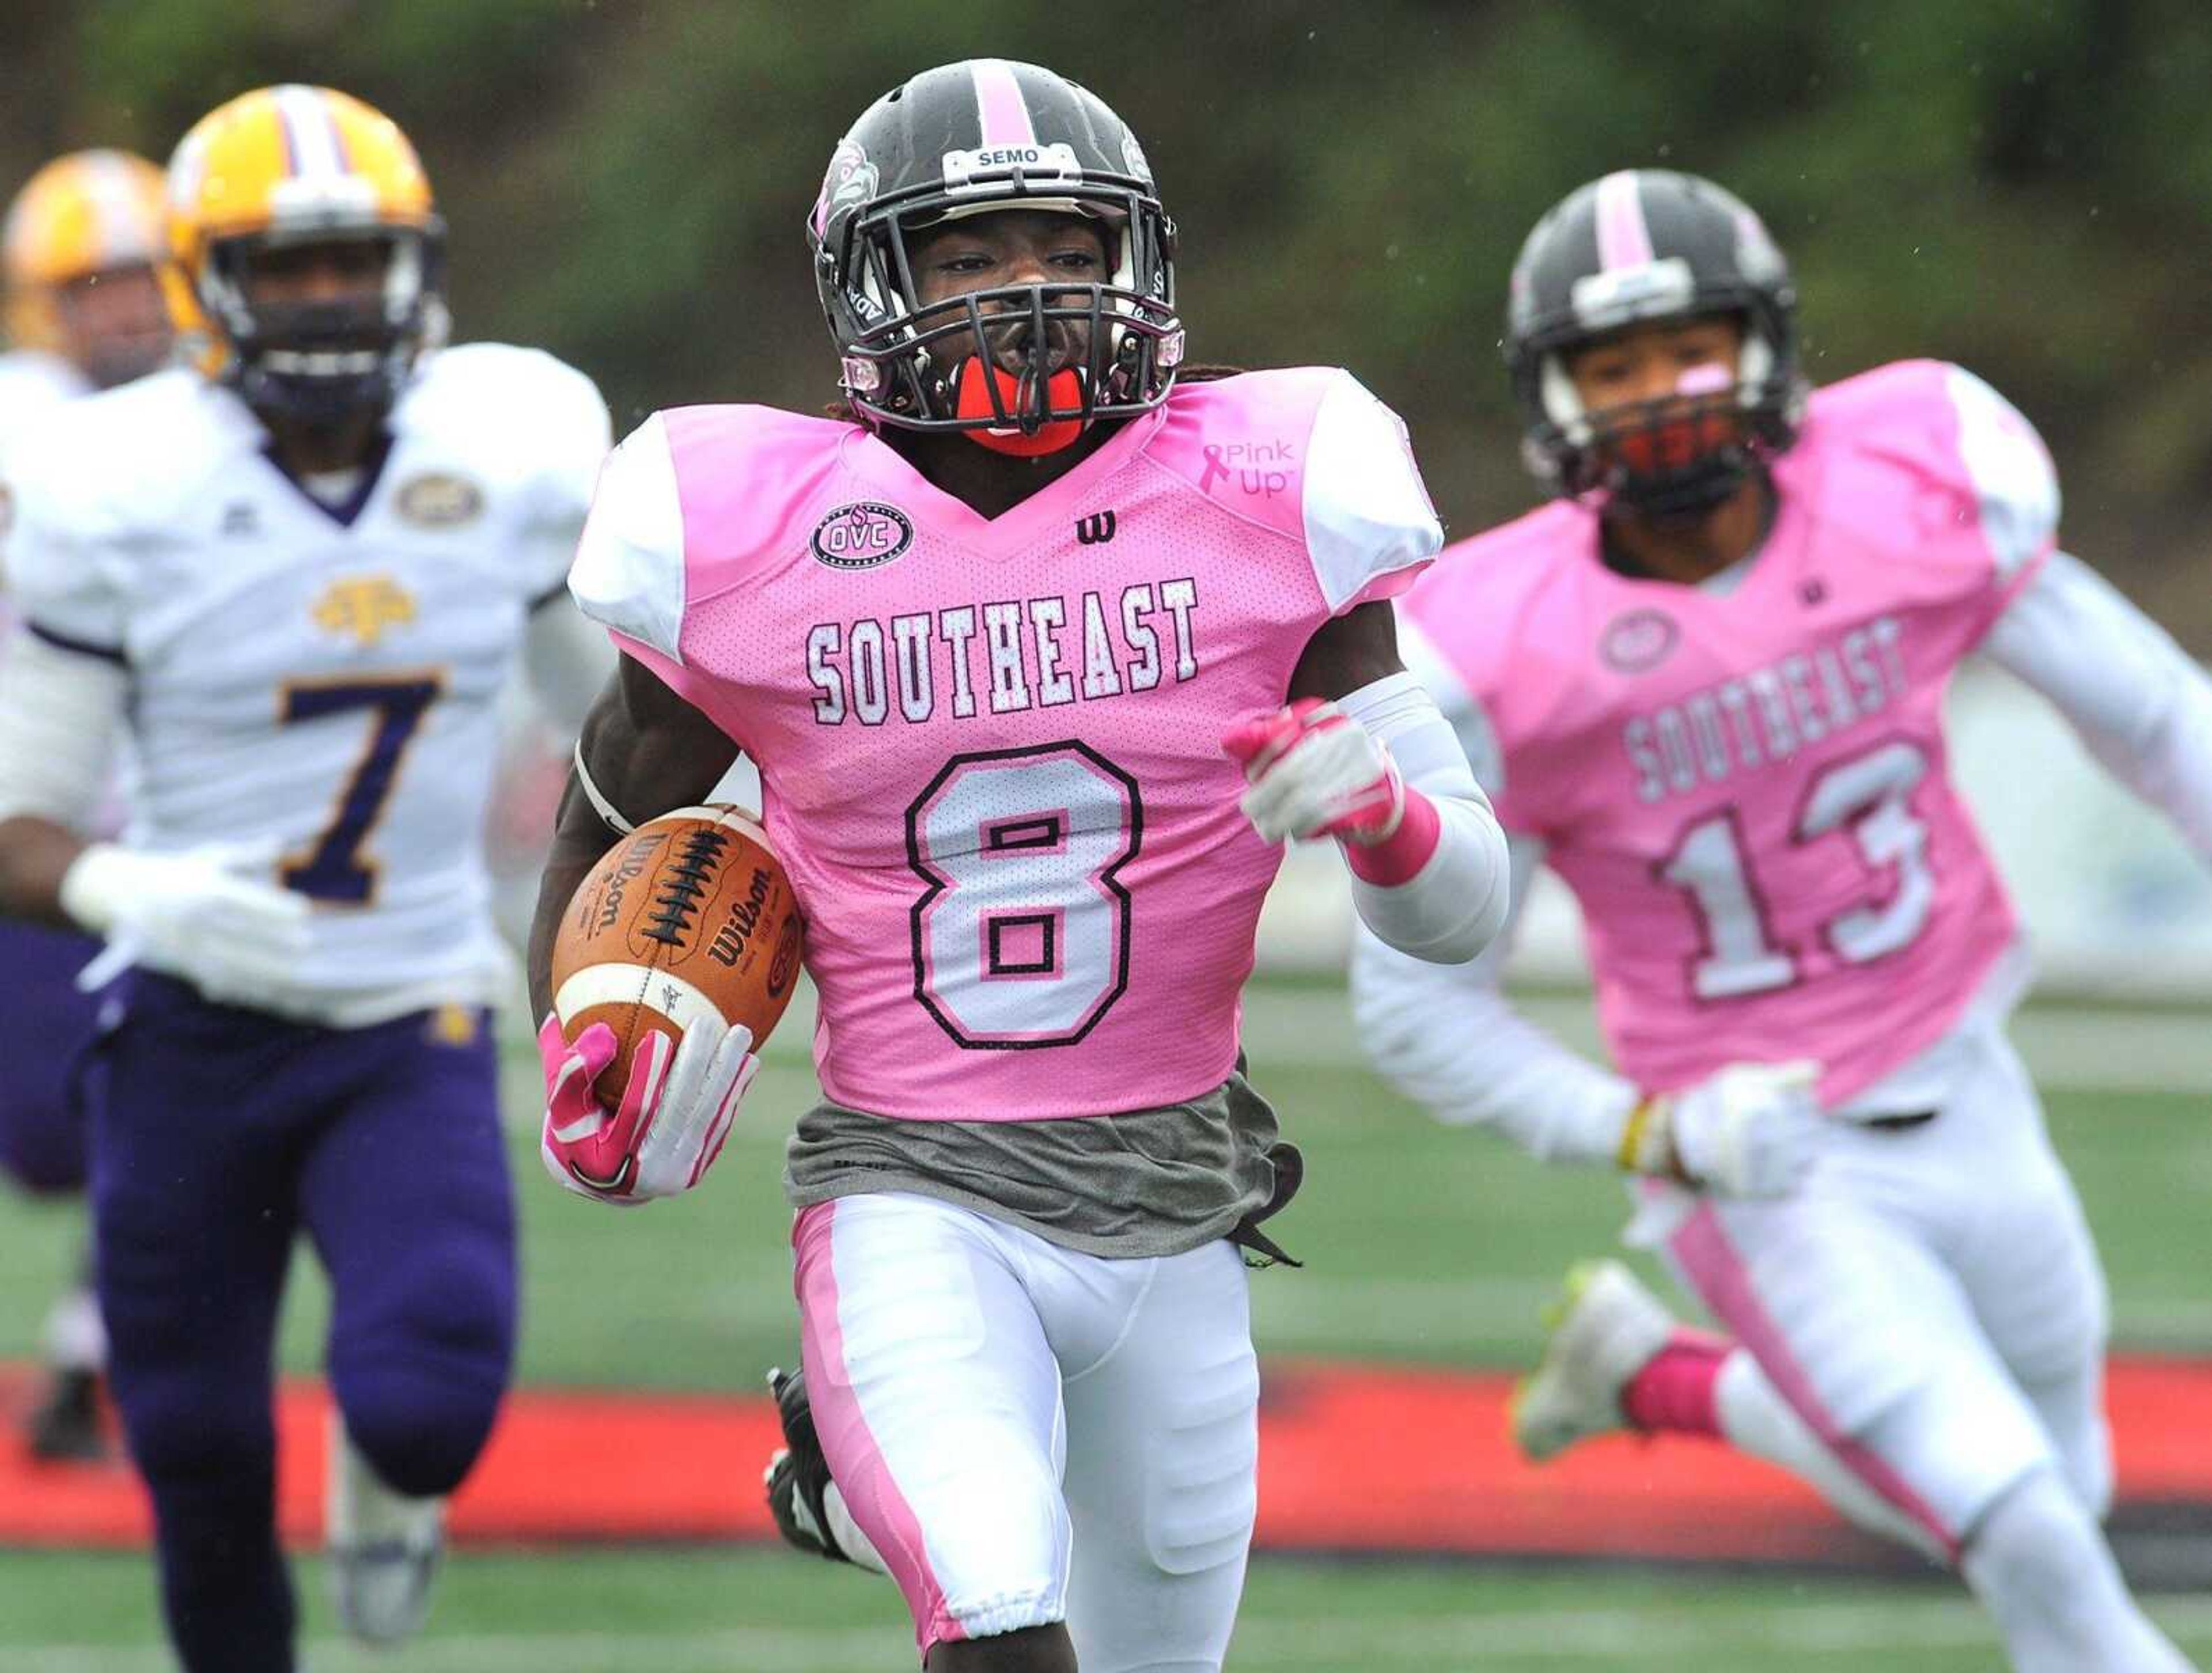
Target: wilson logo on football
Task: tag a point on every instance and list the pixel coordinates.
(1639, 641)
(861, 537)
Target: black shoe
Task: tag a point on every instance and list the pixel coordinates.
(798, 1479)
(66, 1428)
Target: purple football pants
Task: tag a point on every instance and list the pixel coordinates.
(44, 1026)
(218, 1134)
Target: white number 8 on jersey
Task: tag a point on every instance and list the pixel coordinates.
(1022, 938)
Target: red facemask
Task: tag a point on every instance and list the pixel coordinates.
(1063, 390)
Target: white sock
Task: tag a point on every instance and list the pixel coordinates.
(76, 1340)
(1757, 1419)
(2042, 1568)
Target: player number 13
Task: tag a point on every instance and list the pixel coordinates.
(1871, 795)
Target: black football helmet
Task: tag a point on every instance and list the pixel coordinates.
(1639, 245)
(965, 139)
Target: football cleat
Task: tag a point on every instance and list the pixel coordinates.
(809, 1510)
(385, 1548)
(1600, 1333)
(65, 1428)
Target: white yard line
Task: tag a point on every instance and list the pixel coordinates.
(1869, 1627)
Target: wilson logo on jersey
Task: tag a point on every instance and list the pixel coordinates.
(860, 536)
(364, 608)
(1096, 530)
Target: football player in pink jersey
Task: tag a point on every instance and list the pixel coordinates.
(1042, 653)
(1704, 686)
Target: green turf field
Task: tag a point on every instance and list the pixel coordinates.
(1422, 1243)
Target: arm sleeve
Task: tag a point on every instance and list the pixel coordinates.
(629, 573)
(2144, 709)
(1370, 528)
(60, 714)
(1445, 1036)
(1451, 907)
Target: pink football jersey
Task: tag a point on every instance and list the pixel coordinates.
(990, 748)
(1746, 787)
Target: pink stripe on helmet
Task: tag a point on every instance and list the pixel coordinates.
(1724, 1283)
(1623, 239)
(863, 1473)
(1000, 110)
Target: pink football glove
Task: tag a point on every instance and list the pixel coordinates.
(675, 1113)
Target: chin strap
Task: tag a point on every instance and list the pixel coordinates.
(1063, 390)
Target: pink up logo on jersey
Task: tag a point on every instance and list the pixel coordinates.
(1639, 641)
(860, 536)
(1249, 467)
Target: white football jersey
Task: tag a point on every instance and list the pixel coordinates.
(322, 676)
(31, 386)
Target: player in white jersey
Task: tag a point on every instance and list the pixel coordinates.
(81, 310)
(1705, 686)
(294, 577)
(1036, 648)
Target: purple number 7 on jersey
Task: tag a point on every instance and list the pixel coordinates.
(335, 867)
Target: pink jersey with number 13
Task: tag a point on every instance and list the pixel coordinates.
(1746, 789)
(990, 748)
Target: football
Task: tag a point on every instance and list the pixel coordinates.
(690, 915)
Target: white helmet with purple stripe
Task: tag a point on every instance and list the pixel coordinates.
(1629, 248)
(964, 139)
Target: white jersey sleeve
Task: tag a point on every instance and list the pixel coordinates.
(1369, 524)
(1445, 1035)
(60, 714)
(629, 573)
(64, 576)
(2134, 697)
(2010, 470)
(575, 436)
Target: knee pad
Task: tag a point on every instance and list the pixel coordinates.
(1954, 1446)
(420, 1425)
(419, 1374)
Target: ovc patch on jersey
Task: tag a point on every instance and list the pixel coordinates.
(861, 535)
(439, 499)
(1639, 641)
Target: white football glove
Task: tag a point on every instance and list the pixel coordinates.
(205, 914)
(1752, 1130)
(675, 1113)
(1315, 771)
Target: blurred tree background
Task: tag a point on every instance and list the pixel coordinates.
(2022, 186)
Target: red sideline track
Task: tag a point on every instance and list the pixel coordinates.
(1354, 1457)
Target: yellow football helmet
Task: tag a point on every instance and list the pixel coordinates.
(79, 250)
(271, 172)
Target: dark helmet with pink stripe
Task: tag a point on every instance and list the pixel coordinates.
(965, 139)
(1629, 249)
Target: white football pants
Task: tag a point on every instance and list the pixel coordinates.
(1028, 1434)
(1931, 1305)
